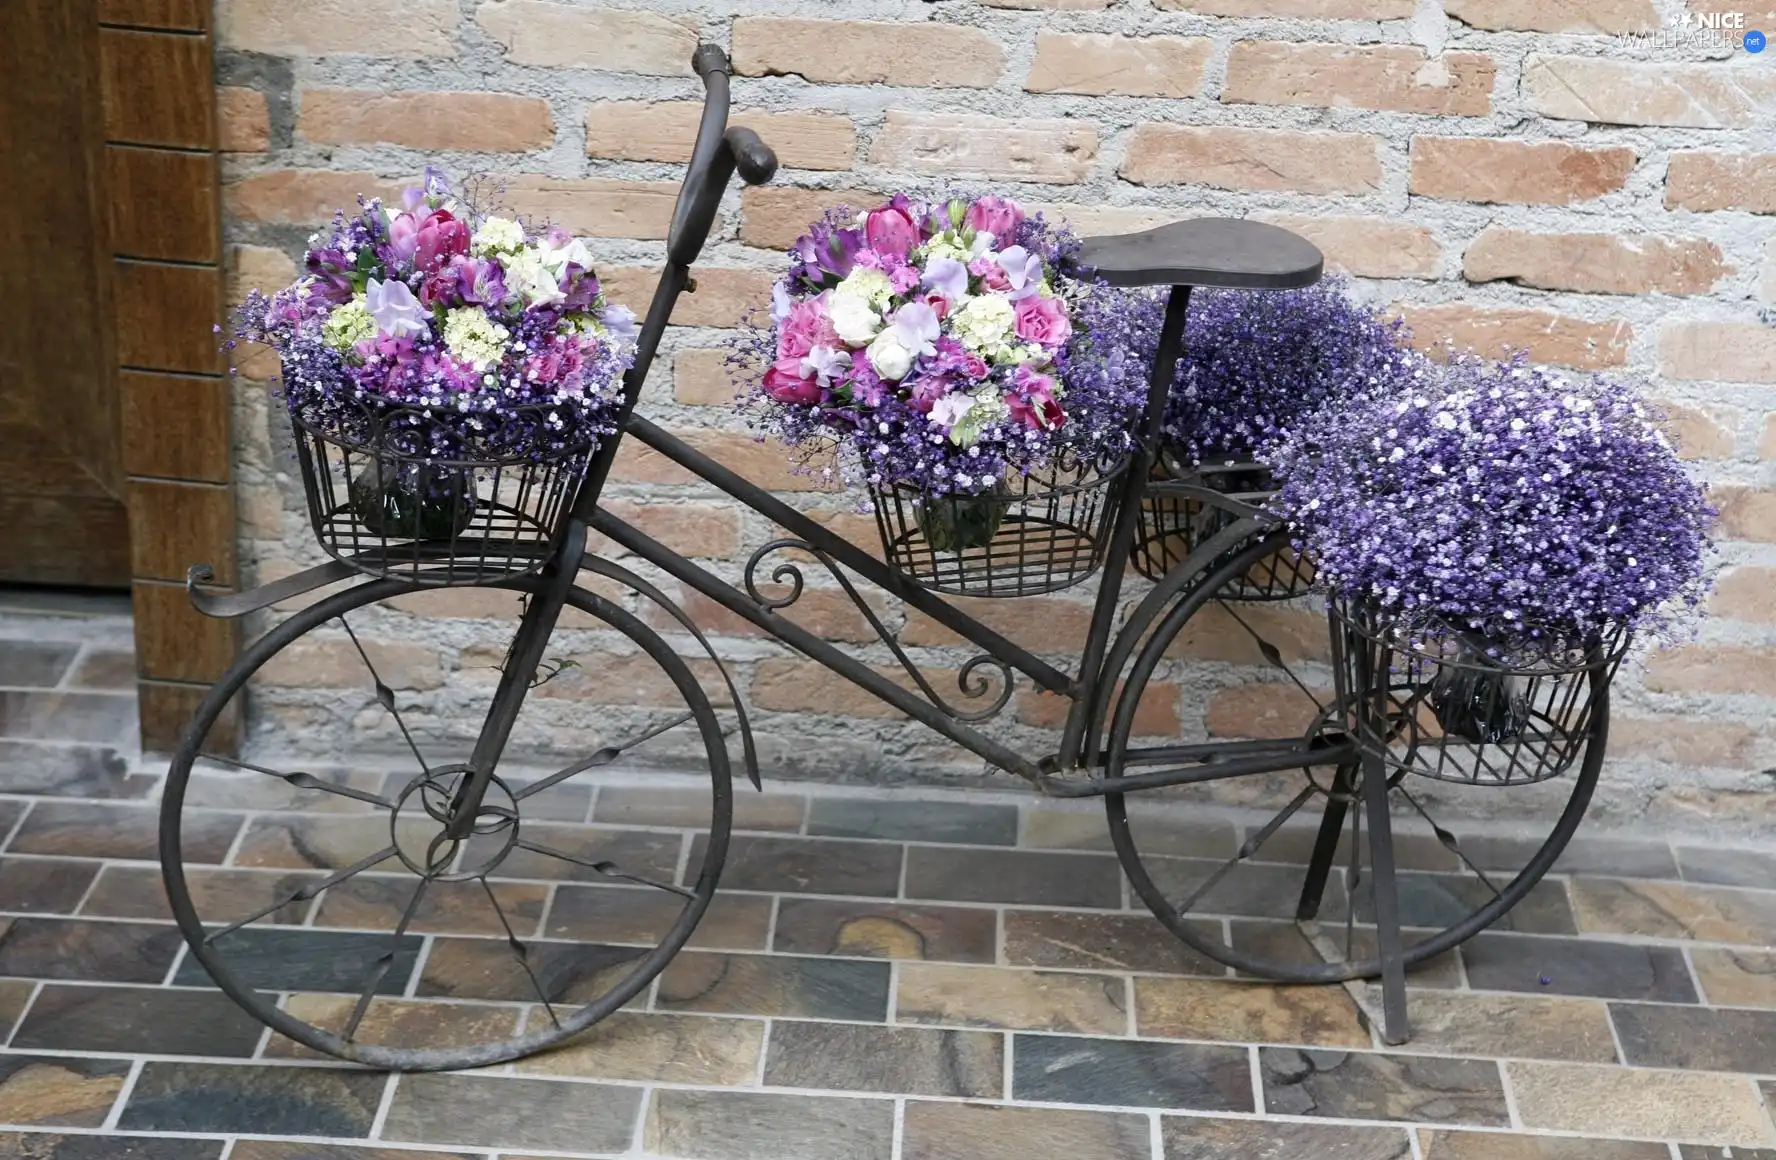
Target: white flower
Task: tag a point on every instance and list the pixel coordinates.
(950, 410)
(531, 278)
(985, 321)
(497, 235)
(891, 360)
(823, 362)
(475, 338)
(558, 258)
(855, 320)
(871, 285)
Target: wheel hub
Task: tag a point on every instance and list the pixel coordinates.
(419, 827)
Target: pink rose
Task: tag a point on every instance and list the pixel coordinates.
(1043, 320)
(991, 274)
(441, 238)
(974, 366)
(788, 383)
(890, 230)
(995, 215)
(807, 327)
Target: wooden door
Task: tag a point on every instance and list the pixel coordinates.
(62, 515)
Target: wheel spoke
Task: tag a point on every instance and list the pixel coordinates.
(302, 780)
(1271, 654)
(1447, 840)
(386, 960)
(600, 757)
(604, 866)
(519, 950)
(1248, 848)
(385, 696)
(303, 894)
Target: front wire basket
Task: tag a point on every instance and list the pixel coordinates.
(1182, 507)
(383, 500)
(1039, 532)
(1438, 702)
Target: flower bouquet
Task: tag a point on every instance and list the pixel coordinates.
(934, 345)
(448, 373)
(1495, 535)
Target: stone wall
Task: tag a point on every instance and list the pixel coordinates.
(1503, 172)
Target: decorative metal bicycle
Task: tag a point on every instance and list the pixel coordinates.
(1320, 892)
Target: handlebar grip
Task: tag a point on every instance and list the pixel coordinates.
(709, 58)
(752, 157)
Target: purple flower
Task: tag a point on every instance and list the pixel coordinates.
(332, 275)
(1023, 271)
(620, 321)
(397, 312)
(948, 277)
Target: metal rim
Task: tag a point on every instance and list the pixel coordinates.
(1215, 578)
(266, 1011)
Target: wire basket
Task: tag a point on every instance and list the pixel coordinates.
(1036, 533)
(400, 491)
(1178, 515)
(1457, 710)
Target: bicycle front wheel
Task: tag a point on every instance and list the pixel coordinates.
(344, 918)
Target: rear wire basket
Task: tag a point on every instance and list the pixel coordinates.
(1039, 532)
(381, 502)
(1457, 710)
(1183, 507)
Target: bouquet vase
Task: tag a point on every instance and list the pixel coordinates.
(958, 523)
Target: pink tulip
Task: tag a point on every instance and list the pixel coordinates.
(441, 237)
(891, 231)
(788, 383)
(995, 215)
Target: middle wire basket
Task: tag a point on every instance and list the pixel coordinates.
(1035, 533)
(1442, 703)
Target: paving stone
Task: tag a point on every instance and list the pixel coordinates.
(808, 865)
(1736, 978)
(101, 668)
(1373, 1086)
(1703, 1152)
(644, 853)
(1614, 1101)
(397, 1023)
(1129, 1073)
(1721, 867)
(110, 952)
(1440, 901)
(810, 988)
(1249, 890)
(1521, 1026)
(1112, 942)
(93, 718)
(14, 995)
(323, 842)
(1442, 1145)
(233, 789)
(689, 809)
(10, 813)
(1204, 1138)
(885, 930)
(106, 830)
(563, 802)
(290, 1150)
(1585, 854)
(149, 1020)
(1697, 1038)
(934, 1131)
(494, 1111)
(87, 771)
(53, 1146)
(1154, 833)
(1603, 970)
(567, 972)
(1675, 910)
(285, 959)
(915, 821)
(642, 915)
(656, 1048)
(220, 896)
(719, 1125)
(59, 1091)
(35, 664)
(1295, 845)
(1242, 1012)
(44, 885)
(379, 903)
(895, 1060)
(1285, 942)
(1019, 877)
(1014, 999)
(261, 1101)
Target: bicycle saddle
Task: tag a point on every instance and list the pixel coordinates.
(1244, 255)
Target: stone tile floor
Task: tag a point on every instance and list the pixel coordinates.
(915, 978)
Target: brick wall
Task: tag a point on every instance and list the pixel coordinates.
(1504, 172)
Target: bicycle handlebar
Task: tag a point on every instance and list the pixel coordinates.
(720, 151)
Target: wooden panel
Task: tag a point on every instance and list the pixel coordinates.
(166, 316)
(175, 426)
(175, 525)
(183, 15)
(167, 709)
(176, 643)
(51, 539)
(157, 88)
(163, 204)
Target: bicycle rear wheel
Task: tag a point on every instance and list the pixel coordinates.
(344, 919)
